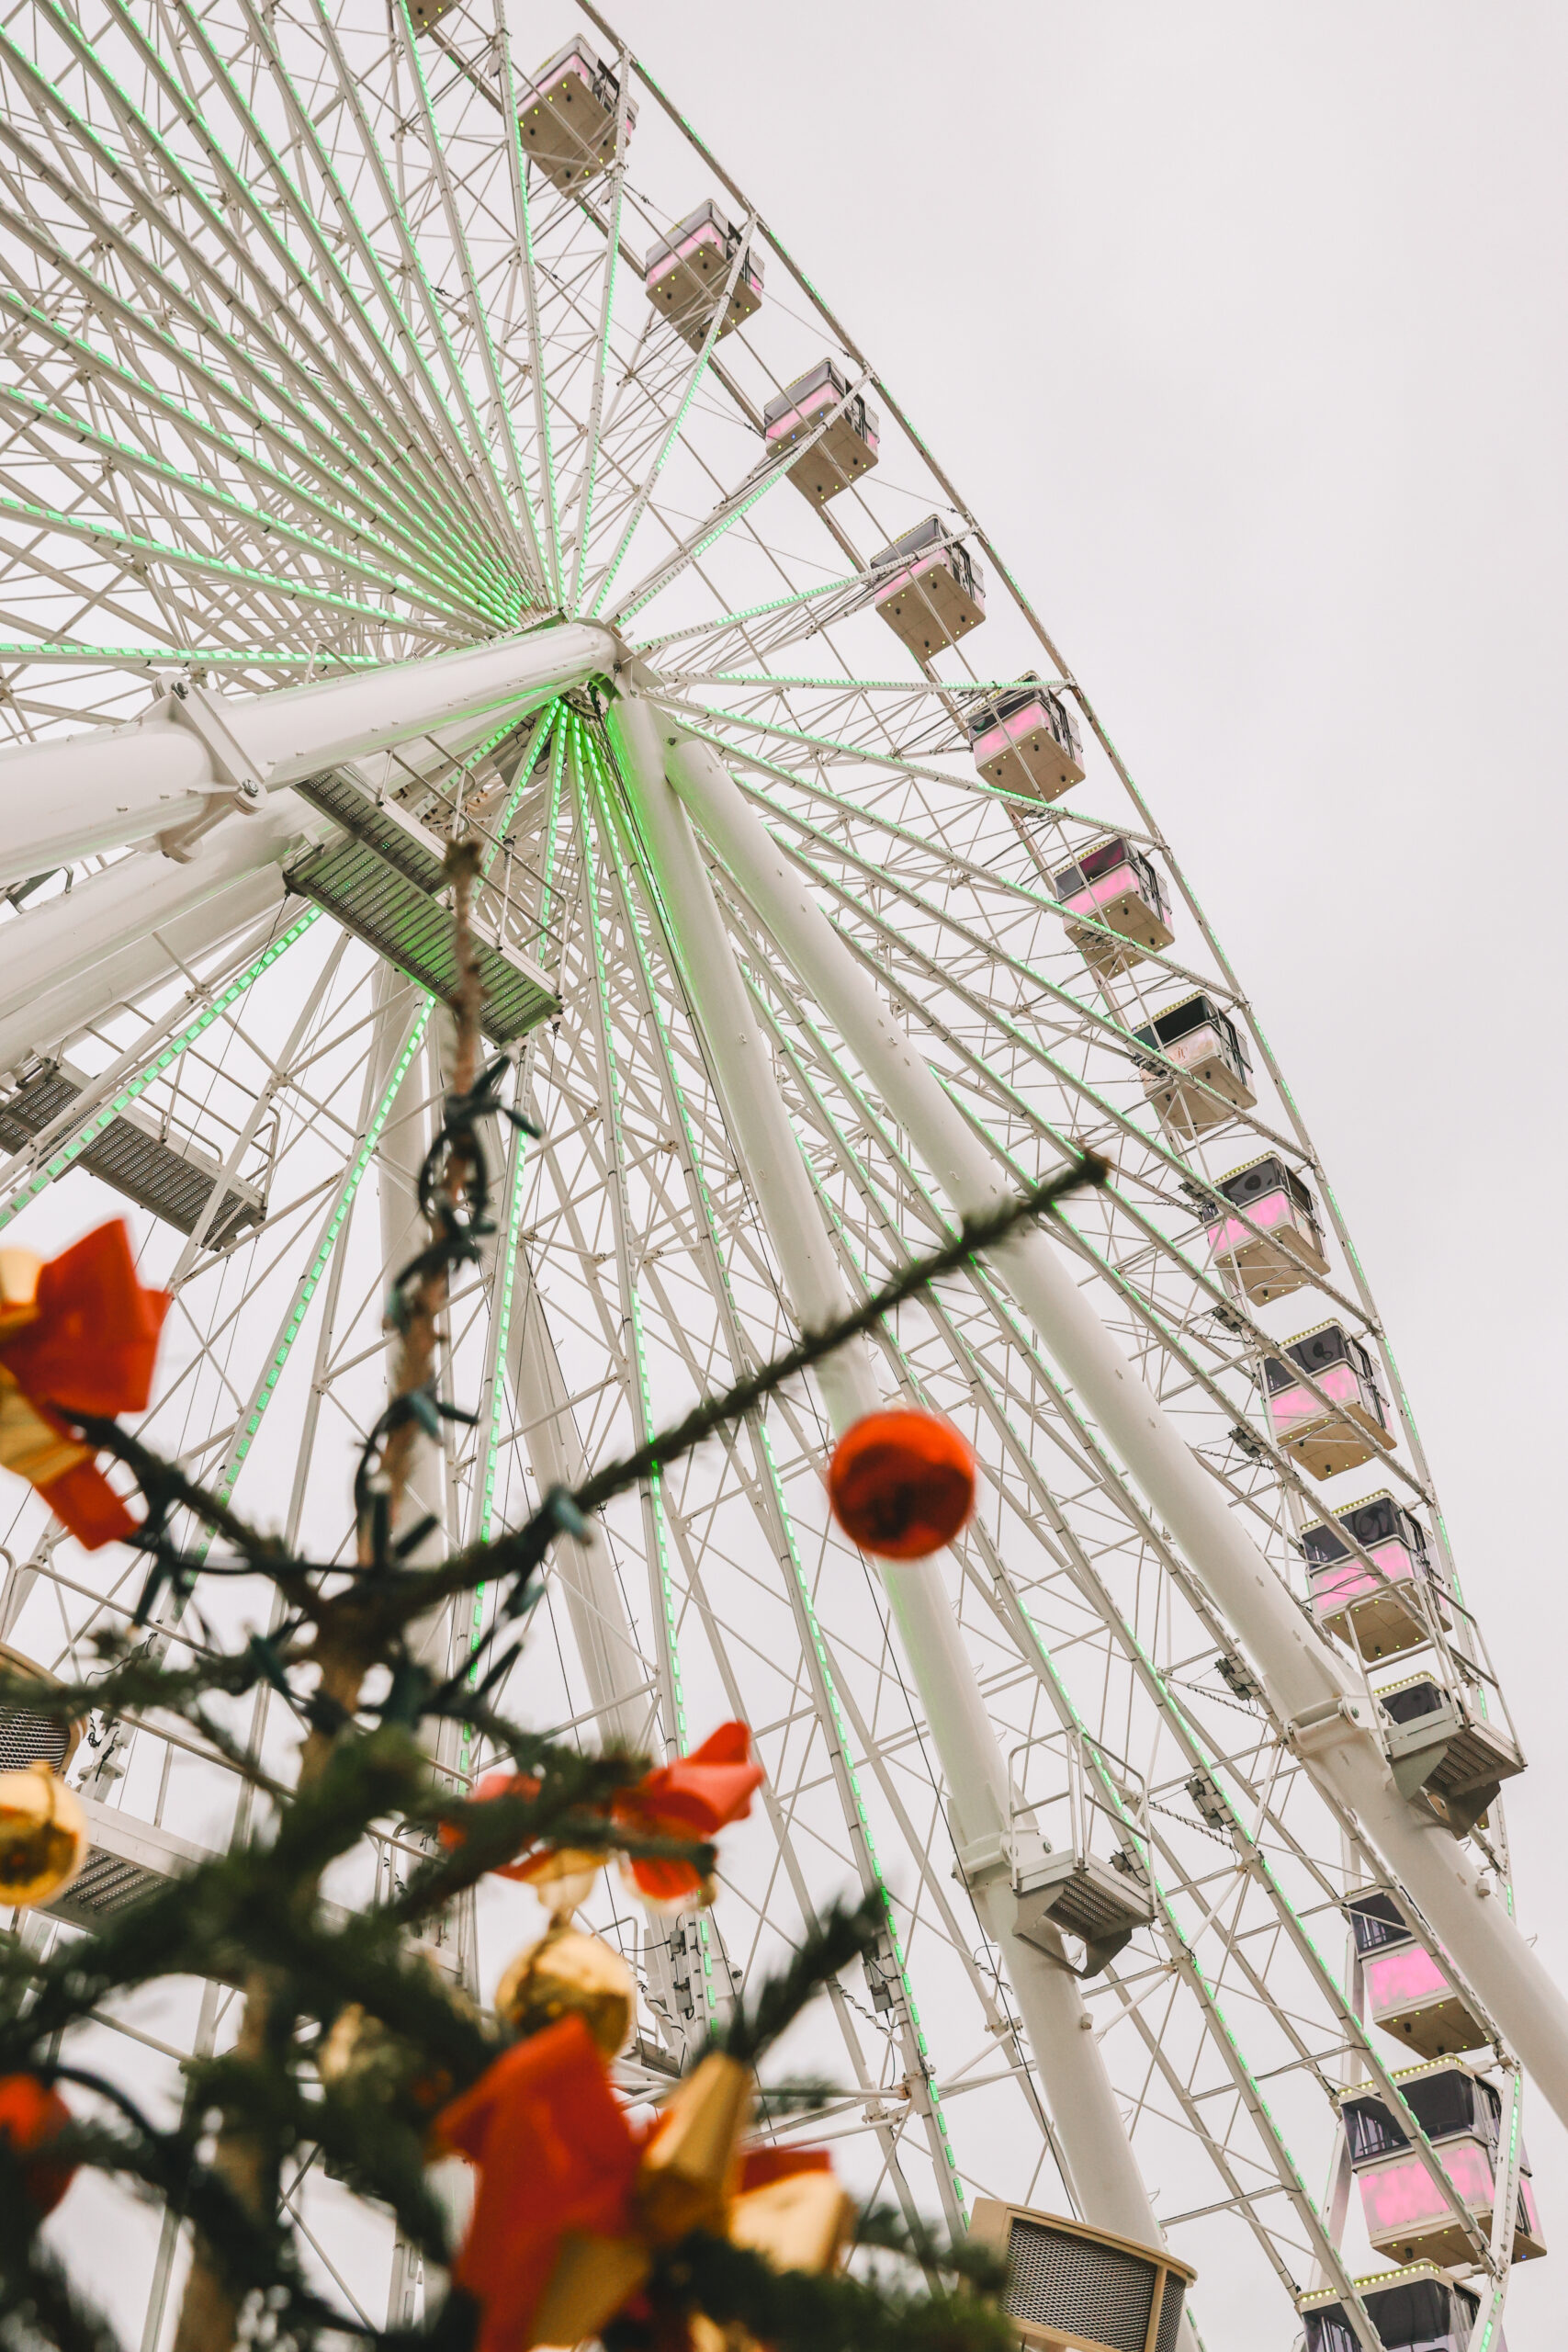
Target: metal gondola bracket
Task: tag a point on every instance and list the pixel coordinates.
(238, 787)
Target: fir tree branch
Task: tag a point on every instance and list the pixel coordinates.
(842, 1937)
(796, 2311)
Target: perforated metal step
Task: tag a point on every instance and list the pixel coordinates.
(382, 883)
(128, 1859)
(168, 1175)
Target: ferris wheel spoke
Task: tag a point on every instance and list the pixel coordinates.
(740, 501)
(451, 485)
(134, 556)
(467, 442)
(308, 448)
(448, 590)
(544, 450)
(159, 290)
(543, 561)
(368, 391)
(173, 493)
(605, 579)
(590, 466)
(732, 623)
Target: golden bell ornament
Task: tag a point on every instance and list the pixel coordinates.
(43, 1835)
(565, 1975)
(362, 2054)
(692, 2163)
(562, 1879)
(803, 2223)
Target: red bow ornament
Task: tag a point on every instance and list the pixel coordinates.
(571, 2202)
(694, 1797)
(77, 1335)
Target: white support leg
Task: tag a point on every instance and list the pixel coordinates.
(159, 773)
(119, 932)
(1306, 1681)
(1105, 2177)
(618, 1677)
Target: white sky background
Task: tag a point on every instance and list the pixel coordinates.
(1243, 327)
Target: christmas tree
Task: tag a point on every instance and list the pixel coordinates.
(697, 2230)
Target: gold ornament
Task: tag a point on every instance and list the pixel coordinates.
(567, 1973)
(43, 1835)
(562, 1877)
(592, 2278)
(692, 2165)
(801, 2223)
(362, 2054)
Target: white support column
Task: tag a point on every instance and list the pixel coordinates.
(1308, 1684)
(618, 1677)
(68, 961)
(1105, 2177)
(159, 773)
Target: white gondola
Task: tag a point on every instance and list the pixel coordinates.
(1120, 890)
(686, 272)
(1346, 1429)
(1381, 1616)
(845, 452)
(1025, 739)
(1408, 1993)
(937, 592)
(1287, 1252)
(1419, 2309)
(1406, 2215)
(1212, 1074)
(566, 117)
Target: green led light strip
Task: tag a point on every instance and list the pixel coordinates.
(876, 686)
(262, 1395)
(645, 1421)
(68, 1153)
(751, 613)
(179, 657)
(839, 1728)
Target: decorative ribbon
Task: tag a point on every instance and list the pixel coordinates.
(572, 2201)
(694, 1797)
(77, 1335)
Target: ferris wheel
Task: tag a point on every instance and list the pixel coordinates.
(402, 436)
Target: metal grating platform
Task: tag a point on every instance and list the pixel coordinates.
(173, 1180)
(381, 884)
(127, 1860)
(1082, 1896)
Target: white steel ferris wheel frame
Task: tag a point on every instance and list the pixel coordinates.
(801, 984)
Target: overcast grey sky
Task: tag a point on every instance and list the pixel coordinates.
(1243, 324)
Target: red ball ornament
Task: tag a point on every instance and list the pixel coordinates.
(30, 2117)
(901, 1484)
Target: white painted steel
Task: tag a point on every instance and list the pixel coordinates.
(94, 792)
(1088, 2123)
(1308, 1682)
(341, 451)
(619, 1682)
(123, 931)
